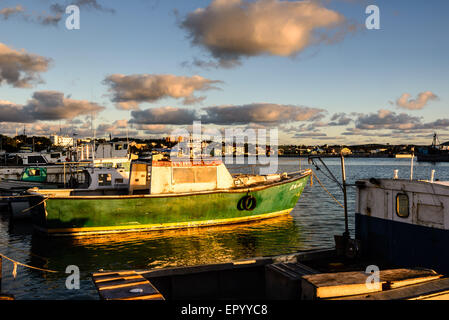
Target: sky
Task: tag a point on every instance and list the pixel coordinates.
(310, 69)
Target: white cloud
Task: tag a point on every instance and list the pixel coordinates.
(415, 104)
(19, 68)
(230, 29)
(129, 91)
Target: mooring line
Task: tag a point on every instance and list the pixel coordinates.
(28, 209)
(17, 263)
(318, 179)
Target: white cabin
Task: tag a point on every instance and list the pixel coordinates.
(404, 223)
(162, 177)
(421, 203)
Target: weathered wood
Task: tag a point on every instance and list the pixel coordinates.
(396, 278)
(127, 285)
(283, 280)
(330, 285)
(431, 290)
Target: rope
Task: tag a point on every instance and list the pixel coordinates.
(314, 174)
(17, 263)
(28, 209)
(23, 251)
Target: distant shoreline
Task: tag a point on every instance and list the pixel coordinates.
(337, 156)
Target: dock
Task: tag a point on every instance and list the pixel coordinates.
(127, 285)
(301, 276)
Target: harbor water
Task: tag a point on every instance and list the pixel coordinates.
(311, 225)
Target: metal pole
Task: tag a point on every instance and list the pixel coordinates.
(1, 265)
(411, 168)
(343, 171)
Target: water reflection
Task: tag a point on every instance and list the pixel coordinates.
(168, 248)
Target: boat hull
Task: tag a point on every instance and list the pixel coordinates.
(112, 214)
(433, 157)
(403, 244)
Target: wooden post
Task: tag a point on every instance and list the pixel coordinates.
(64, 179)
(1, 265)
(411, 167)
(343, 171)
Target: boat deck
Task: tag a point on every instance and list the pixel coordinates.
(311, 275)
(20, 186)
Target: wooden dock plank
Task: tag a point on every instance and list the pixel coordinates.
(127, 285)
(431, 290)
(331, 285)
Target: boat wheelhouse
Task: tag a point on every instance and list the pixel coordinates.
(168, 195)
(404, 222)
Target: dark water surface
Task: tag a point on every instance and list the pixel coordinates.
(312, 224)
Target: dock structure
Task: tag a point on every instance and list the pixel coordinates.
(127, 285)
(349, 284)
(314, 275)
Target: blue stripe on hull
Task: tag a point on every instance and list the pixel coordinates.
(403, 245)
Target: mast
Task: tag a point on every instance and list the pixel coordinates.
(343, 174)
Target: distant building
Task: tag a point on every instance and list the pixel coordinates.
(61, 141)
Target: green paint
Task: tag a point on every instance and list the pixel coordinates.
(140, 210)
(34, 174)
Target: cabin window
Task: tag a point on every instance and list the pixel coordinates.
(55, 155)
(121, 147)
(104, 180)
(36, 159)
(34, 172)
(402, 205)
(118, 181)
(195, 175)
(183, 175)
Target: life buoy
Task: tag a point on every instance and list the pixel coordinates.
(247, 203)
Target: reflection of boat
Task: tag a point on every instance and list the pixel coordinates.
(404, 222)
(168, 195)
(437, 152)
(283, 222)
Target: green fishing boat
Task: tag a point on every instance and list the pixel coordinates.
(167, 195)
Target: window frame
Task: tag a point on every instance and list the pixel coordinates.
(397, 205)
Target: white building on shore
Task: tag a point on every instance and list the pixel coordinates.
(62, 141)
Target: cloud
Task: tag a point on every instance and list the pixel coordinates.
(118, 128)
(129, 91)
(385, 119)
(155, 128)
(164, 115)
(340, 119)
(92, 4)
(46, 106)
(55, 12)
(231, 29)
(7, 12)
(310, 135)
(265, 113)
(415, 104)
(19, 68)
(386, 123)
